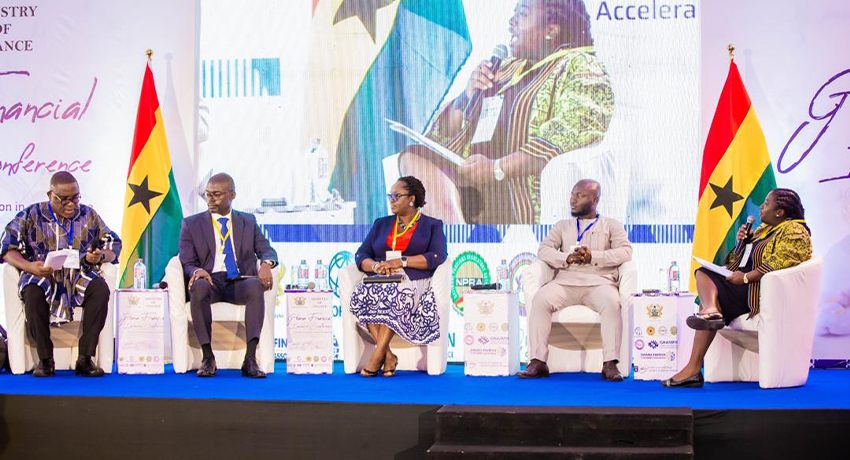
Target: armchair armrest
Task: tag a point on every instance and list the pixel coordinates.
(787, 315)
(628, 282)
(534, 277)
(438, 351)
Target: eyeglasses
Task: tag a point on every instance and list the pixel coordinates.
(213, 195)
(63, 200)
(395, 196)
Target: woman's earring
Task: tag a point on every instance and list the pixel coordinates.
(411, 205)
(777, 215)
(549, 37)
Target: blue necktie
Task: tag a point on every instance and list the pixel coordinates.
(229, 257)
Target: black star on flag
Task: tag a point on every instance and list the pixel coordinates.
(725, 196)
(142, 194)
(365, 10)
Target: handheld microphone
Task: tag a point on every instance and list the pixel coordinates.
(499, 52)
(747, 228)
(161, 285)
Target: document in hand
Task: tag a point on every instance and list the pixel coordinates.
(56, 259)
(442, 151)
(713, 267)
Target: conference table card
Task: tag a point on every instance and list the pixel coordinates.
(491, 333)
(661, 340)
(309, 332)
(143, 339)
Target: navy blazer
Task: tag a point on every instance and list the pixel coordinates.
(428, 240)
(197, 243)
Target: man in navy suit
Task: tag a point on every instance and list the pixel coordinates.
(219, 250)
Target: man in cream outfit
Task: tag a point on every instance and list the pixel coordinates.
(586, 253)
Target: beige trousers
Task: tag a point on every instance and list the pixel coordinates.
(603, 299)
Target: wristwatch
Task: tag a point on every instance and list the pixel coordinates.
(746, 281)
(404, 261)
(272, 264)
(497, 170)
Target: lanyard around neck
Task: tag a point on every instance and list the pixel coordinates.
(521, 72)
(218, 231)
(68, 231)
(582, 232)
(396, 234)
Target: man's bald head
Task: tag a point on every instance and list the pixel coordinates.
(223, 179)
(584, 198)
(62, 178)
(591, 186)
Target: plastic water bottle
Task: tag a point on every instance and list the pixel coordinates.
(319, 174)
(303, 274)
(321, 277)
(140, 274)
(673, 278)
(503, 277)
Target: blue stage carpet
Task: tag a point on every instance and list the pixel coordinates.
(826, 389)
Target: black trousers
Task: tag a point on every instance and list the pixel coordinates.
(37, 310)
(248, 292)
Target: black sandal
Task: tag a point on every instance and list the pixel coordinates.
(706, 321)
(694, 381)
(367, 373)
(390, 372)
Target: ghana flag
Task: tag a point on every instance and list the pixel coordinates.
(736, 173)
(152, 212)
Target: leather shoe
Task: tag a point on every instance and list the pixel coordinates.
(610, 372)
(536, 369)
(251, 369)
(694, 381)
(87, 368)
(208, 367)
(45, 368)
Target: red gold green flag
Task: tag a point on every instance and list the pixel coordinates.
(736, 173)
(152, 211)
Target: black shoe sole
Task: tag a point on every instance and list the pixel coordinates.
(699, 324)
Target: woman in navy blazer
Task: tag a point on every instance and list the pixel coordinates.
(407, 241)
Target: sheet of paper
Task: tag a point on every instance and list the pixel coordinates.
(439, 149)
(56, 259)
(713, 267)
(488, 120)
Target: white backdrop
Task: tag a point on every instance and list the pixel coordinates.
(73, 45)
(786, 52)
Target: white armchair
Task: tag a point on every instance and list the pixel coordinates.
(773, 348)
(358, 345)
(22, 352)
(575, 343)
(228, 328)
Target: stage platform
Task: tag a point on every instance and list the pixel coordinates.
(351, 417)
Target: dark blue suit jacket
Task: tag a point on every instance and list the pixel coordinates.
(197, 243)
(428, 240)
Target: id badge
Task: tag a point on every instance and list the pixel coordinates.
(490, 110)
(72, 261)
(393, 255)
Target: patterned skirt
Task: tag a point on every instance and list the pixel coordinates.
(408, 308)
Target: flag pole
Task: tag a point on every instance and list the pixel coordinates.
(730, 47)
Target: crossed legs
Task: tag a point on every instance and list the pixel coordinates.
(702, 339)
(382, 357)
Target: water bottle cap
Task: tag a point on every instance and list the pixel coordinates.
(303, 261)
(319, 261)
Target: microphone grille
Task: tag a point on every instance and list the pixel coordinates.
(751, 220)
(500, 52)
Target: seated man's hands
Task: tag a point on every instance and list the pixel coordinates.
(200, 274)
(38, 268)
(581, 255)
(265, 276)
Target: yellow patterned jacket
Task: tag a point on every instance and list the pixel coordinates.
(774, 248)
